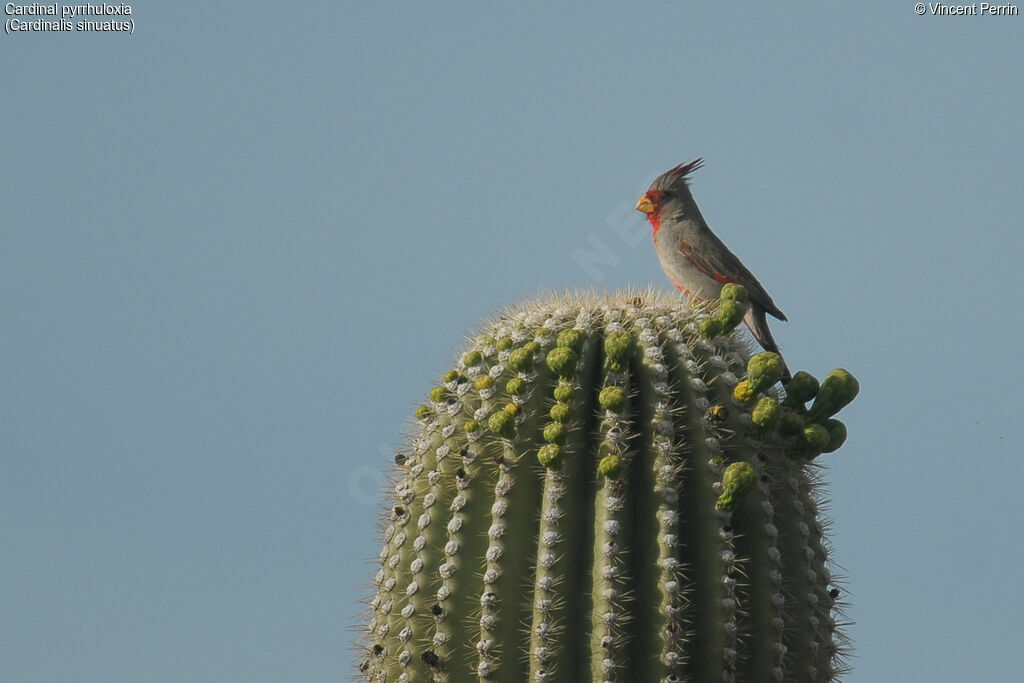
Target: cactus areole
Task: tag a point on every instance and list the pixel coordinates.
(605, 489)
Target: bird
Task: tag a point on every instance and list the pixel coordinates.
(696, 261)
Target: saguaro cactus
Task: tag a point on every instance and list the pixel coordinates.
(611, 489)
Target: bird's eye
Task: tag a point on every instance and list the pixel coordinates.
(664, 196)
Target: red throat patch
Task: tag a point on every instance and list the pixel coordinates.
(653, 217)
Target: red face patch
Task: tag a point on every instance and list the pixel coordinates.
(653, 217)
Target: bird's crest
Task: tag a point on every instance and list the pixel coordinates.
(680, 173)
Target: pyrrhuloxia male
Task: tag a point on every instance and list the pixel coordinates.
(693, 257)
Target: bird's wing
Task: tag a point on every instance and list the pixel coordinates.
(727, 268)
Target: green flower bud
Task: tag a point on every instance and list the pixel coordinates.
(555, 432)
(710, 328)
(502, 424)
(438, 394)
(564, 393)
(801, 389)
(730, 313)
(838, 389)
(562, 362)
(613, 399)
(618, 350)
(733, 291)
(551, 456)
(744, 392)
(560, 412)
(816, 438)
(516, 386)
(836, 434)
(766, 413)
(571, 339)
(610, 466)
(791, 423)
(738, 480)
(521, 360)
(764, 370)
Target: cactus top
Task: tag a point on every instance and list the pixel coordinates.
(605, 488)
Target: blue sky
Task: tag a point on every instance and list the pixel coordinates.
(237, 248)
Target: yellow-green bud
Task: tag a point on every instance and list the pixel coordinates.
(766, 413)
(502, 424)
(613, 399)
(562, 361)
(571, 339)
(521, 360)
(730, 313)
(801, 389)
(764, 370)
(551, 456)
(738, 480)
(559, 412)
(733, 291)
(744, 392)
(836, 434)
(618, 350)
(838, 389)
(564, 392)
(610, 466)
(555, 432)
(710, 328)
(516, 386)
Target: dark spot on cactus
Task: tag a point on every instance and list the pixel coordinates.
(464, 453)
(637, 302)
(500, 459)
(378, 648)
(431, 659)
(364, 666)
(764, 478)
(437, 610)
(718, 414)
(834, 593)
(460, 473)
(462, 380)
(400, 458)
(672, 678)
(399, 511)
(606, 642)
(727, 529)
(451, 400)
(614, 433)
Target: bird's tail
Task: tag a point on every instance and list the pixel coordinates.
(757, 321)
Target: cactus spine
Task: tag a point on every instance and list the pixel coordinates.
(609, 489)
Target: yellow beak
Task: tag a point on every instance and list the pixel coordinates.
(644, 204)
